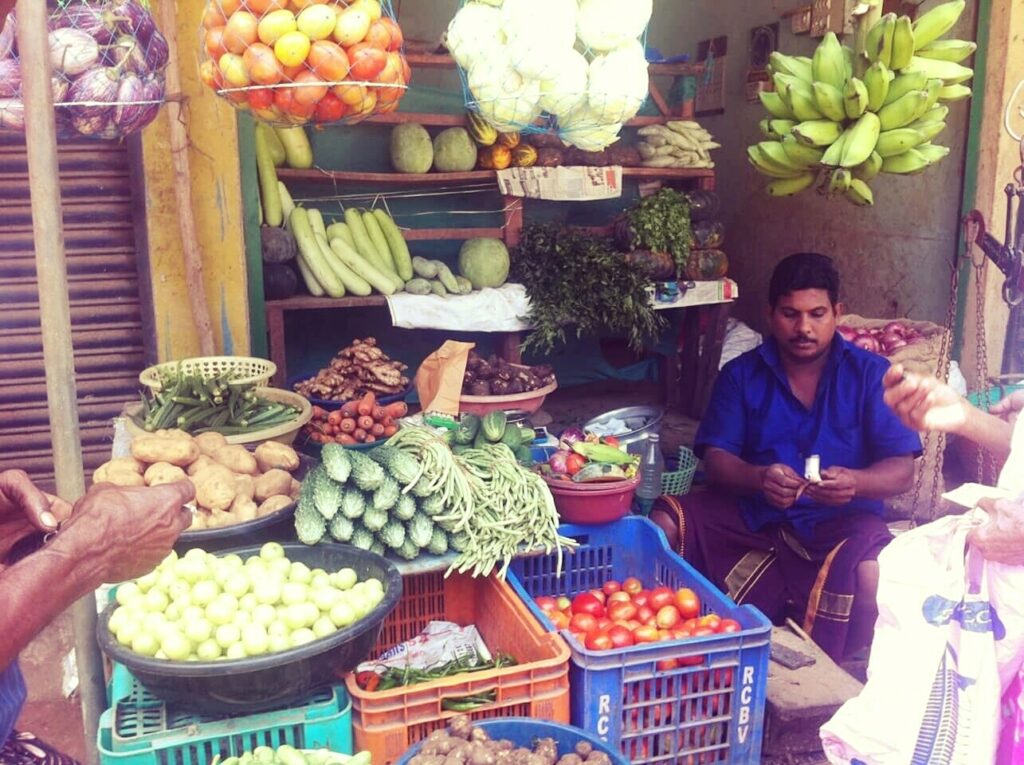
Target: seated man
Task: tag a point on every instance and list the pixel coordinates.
(765, 534)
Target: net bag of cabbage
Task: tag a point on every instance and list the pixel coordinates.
(108, 62)
(522, 67)
(291, 62)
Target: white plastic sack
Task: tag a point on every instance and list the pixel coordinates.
(739, 338)
(948, 642)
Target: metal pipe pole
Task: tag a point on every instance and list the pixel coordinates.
(55, 321)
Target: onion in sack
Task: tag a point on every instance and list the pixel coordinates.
(847, 333)
(94, 94)
(72, 51)
(93, 20)
(10, 78)
(12, 114)
(7, 36)
(890, 342)
(868, 342)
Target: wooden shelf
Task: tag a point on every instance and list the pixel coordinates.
(303, 302)
(433, 179)
(419, 58)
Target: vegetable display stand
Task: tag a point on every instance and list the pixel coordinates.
(387, 723)
(708, 709)
(139, 729)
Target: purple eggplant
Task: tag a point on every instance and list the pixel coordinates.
(60, 86)
(91, 19)
(10, 78)
(157, 52)
(12, 114)
(127, 55)
(91, 126)
(131, 18)
(7, 36)
(94, 94)
(72, 51)
(131, 104)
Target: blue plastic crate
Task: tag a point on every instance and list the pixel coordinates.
(711, 711)
(140, 729)
(524, 731)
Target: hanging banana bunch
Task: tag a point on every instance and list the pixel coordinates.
(846, 116)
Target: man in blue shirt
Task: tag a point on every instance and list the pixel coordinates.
(792, 541)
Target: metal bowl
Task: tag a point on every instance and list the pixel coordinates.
(640, 421)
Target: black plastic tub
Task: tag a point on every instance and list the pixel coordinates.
(258, 683)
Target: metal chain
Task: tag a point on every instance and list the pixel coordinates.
(942, 372)
(986, 467)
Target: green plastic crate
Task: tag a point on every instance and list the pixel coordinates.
(140, 729)
(678, 481)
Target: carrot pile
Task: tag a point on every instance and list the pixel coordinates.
(362, 421)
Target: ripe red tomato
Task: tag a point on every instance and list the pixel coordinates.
(600, 595)
(691, 661)
(645, 615)
(729, 625)
(667, 617)
(583, 623)
(610, 440)
(666, 664)
(329, 109)
(574, 463)
(661, 597)
(704, 631)
(564, 604)
(714, 621)
(619, 597)
(645, 634)
(599, 640)
(546, 603)
(621, 636)
(559, 619)
(611, 587)
(632, 585)
(603, 622)
(690, 624)
(586, 603)
(621, 612)
(687, 602)
(642, 598)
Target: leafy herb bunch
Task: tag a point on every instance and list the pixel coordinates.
(661, 222)
(578, 280)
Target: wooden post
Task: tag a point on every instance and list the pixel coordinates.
(190, 251)
(55, 321)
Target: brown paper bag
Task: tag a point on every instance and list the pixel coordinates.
(439, 378)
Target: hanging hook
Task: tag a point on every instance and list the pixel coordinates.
(1008, 116)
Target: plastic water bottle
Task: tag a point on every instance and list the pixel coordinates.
(652, 465)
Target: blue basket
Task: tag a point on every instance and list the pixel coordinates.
(523, 731)
(140, 729)
(712, 710)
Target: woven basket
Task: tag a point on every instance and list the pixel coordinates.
(244, 370)
(678, 481)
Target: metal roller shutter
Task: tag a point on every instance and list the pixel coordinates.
(109, 330)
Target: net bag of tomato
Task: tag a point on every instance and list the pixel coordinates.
(108, 61)
(577, 68)
(664, 667)
(291, 62)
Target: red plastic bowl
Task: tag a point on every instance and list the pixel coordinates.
(591, 503)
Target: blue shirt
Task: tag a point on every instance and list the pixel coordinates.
(754, 415)
(12, 697)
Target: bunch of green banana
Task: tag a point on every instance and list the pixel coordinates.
(844, 117)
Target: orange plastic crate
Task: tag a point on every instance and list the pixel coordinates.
(386, 723)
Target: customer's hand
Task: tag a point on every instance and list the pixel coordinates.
(837, 487)
(780, 484)
(122, 533)
(923, 403)
(1001, 537)
(25, 509)
(1009, 407)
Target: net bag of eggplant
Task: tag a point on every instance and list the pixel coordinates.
(574, 67)
(108, 62)
(291, 62)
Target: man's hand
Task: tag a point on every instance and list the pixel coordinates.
(25, 510)
(780, 485)
(1009, 407)
(923, 403)
(125, 532)
(1001, 537)
(838, 486)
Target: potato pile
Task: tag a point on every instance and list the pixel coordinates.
(233, 485)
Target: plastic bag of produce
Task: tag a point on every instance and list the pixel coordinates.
(439, 378)
(108, 62)
(948, 641)
(290, 63)
(579, 64)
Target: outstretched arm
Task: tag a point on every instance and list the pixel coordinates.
(925, 404)
(779, 483)
(113, 534)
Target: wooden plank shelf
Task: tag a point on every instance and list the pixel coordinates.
(307, 302)
(434, 179)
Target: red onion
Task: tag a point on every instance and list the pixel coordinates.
(847, 333)
(557, 462)
(868, 343)
(895, 328)
(572, 435)
(10, 78)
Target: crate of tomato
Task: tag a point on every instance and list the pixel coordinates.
(663, 665)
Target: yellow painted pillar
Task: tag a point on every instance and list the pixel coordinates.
(999, 157)
(216, 190)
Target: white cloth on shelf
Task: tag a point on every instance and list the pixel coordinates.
(504, 309)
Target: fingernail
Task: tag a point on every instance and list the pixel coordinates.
(48, 519)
